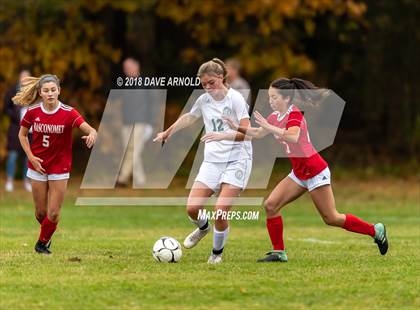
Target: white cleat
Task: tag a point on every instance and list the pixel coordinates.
(9, 186)
(215, 259)
(195, 237)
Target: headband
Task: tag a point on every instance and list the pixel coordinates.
(48, 78)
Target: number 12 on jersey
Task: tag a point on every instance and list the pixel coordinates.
(217, 124)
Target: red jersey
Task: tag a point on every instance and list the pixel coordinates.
(51, 135)
(306, 162)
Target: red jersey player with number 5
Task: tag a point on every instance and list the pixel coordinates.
(309, 172)
(50, 154)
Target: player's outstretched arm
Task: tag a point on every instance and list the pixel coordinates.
(290, 134)
(218, 136)
(90, 139)
(248, 131)
(184, 121)
(24, 141)
(233, 136)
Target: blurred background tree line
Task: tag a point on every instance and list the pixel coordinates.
(366, 51)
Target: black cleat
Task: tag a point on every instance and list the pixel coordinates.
(380, 238)
(42, 248)
(274, 256)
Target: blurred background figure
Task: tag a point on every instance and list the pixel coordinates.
(136, 130)
(14, 149)
(235, 80)
(131, 67)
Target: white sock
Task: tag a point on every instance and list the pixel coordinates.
(219, 240)
(200, 223)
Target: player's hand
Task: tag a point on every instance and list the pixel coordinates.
(36, 163)
(260, 120)
(213, 136)
(90, 139)
(161, 137)
(230, 122)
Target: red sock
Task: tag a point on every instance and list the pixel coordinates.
(355, 224)
(47, 230)
(275, 230)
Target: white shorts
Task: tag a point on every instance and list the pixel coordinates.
(235, 173)
(322, 178)
(35, 175)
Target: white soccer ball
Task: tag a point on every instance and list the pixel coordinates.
(167, 250)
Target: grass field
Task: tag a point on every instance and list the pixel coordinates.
(102, 258)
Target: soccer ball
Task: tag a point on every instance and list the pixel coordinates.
(167, 250)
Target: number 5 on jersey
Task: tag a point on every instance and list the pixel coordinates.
(45, 141)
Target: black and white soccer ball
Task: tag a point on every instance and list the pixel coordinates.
(167, 250)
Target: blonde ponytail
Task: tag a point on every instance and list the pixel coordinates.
(28, 92)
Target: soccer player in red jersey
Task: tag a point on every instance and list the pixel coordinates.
(310, 171)
(50, 153)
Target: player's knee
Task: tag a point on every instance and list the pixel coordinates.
(271, 207)
(195, 203)
(192, 210)
(222, 209)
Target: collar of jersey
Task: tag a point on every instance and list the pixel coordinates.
(50, 112)
(228, 94)
(280, 116)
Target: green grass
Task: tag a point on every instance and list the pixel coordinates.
(328, 268)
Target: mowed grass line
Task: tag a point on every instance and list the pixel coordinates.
(328, 268)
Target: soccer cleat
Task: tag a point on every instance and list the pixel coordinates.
(380, 238)
(215, 259)
(42, 248)
(274, 256)
(48, 244)
(195, 237)
(9, 186)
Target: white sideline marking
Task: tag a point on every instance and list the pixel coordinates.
(161, 201)
(313, 240)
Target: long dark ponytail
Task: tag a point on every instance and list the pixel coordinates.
(291, 87)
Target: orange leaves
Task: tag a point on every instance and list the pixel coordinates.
(258, 30)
